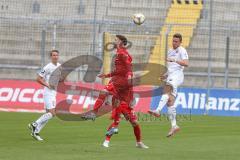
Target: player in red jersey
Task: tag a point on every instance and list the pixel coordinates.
(120, 87)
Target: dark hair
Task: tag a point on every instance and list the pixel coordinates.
(54, 50)
(178, 35)
(123, 39)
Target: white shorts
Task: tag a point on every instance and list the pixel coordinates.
(49, 101)
(175, 80)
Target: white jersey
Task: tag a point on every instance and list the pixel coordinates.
(51, 76)
(179, 53)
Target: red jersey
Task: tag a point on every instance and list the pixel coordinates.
(123, 64)
(119, 81)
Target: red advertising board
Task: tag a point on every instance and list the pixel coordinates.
(26, 96)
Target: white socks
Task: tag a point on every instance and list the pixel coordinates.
(42, 121)
(172, 116)
(40, 126)
(171, 110)
(163, 102)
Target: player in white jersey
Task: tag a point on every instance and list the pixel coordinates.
(49, 77)
(177, 59)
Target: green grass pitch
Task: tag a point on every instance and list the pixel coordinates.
(201, 138)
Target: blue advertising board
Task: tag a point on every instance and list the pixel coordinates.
(221, 102)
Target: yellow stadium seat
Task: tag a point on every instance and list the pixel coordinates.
(181, 18)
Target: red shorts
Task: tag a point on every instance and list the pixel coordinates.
(122, 93)
(127, 112)
(111, 89)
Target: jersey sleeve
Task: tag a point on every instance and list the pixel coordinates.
(43, 71)
(184, 54)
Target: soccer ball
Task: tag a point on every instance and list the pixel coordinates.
(138, 18)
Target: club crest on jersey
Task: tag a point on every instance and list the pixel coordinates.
(43, 71)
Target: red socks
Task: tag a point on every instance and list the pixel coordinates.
(137, 133)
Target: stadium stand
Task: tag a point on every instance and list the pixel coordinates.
(181, 18)
(223, 24)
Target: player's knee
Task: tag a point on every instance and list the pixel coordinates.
(53, 112)
(171, 101)
(134, 123)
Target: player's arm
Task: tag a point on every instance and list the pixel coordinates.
(40, 78)
(41, 81)
(107, 75)
(183, 62)
(164, 76)
(119, 70)
(184, 59)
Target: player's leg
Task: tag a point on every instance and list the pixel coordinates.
(37, 126)
(177, 80)
(137, 133)
(167, 89)
(112, 129)
(132, 118)
(108, 90)
(100, 100)
(42, 121)
(172, 116)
